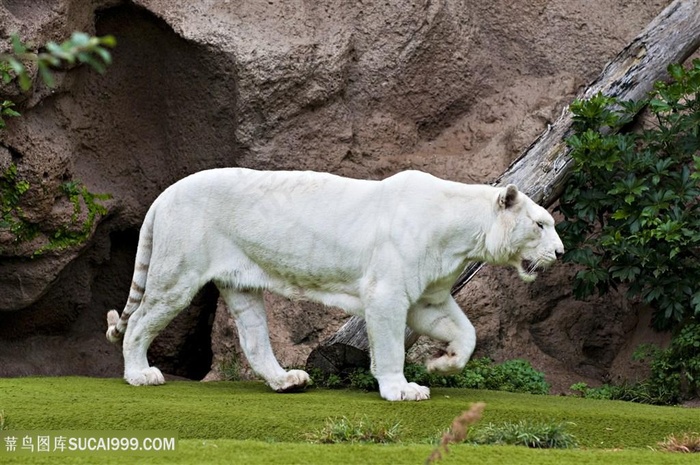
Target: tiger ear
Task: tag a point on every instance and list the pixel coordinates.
(508, 196)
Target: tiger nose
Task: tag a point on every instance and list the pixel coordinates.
(559, 253)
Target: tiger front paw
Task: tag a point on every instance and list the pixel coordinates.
(446, 364)
(294, 380)
(150, 376)
(404, 391)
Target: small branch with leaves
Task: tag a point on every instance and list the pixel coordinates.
(81, 48)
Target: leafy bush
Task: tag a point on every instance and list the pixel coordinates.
(642, 392)
(631, 206)
(536, 435)
(632, 218)
(676, 370)
(80, 48)
(363, 379)
(480, 373)
(675, 373)
(320, 378)
(357, 378)
(514, 376)
(511, 375)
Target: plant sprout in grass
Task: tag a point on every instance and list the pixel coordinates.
(536, 435)
(687, 442)
(357, 429)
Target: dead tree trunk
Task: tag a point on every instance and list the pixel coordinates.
(541, 171)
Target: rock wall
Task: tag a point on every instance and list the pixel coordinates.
(363, 89)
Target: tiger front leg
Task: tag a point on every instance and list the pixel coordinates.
(385, 330)
(445, 322)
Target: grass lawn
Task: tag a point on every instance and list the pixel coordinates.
(244, 422)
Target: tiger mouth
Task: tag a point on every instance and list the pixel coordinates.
(526, 270)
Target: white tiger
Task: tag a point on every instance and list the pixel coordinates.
(388, 251)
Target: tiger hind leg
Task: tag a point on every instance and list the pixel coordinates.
(248, 311)
(144, 325)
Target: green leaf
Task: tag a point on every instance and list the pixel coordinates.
(108, 41)
(79, 39)
(17, 46)
(104, 54)
(10, 112)
(676, 71)
(625, 273)
(16, 66)
(85, 57)
(659, 106)
(46, 75)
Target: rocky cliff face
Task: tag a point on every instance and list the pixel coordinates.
(362, 89)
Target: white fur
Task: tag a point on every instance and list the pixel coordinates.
(388, 251)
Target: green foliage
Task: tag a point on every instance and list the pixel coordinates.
(12, 188)
(6, 111)
(514, 376)
(536, 435)
(675, 373)
(632, 218)
(643, 392)
(80, 48)
(631, 206)
(605, 391)
(230, 367)
(363, 379)
(71, 233)
(359, 429)
(322, 379)
(358, 378)
(75, 232)
(319, 378)
(482, 373)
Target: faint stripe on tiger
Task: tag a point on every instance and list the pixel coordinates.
(137, 289)
(141, 266)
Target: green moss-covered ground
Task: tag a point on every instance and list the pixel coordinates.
(244, 422)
